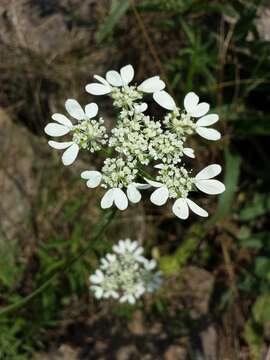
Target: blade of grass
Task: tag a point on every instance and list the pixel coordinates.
(117, 11)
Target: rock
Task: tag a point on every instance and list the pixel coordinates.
(136, 326)
(127, 352)
(197, 289)
(263, 23)
(209, 339)
(65, 352)
(175, 352)
(17, 179)
(43, 27)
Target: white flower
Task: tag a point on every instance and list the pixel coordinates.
(182, 206)
(118, 197)
(93, 178)
(152, 85)
(193, 109)
(117, 175)
(201, 127)
(114, 196)
(192, 106)
(165, 100)
(62, 126)
(205, 183)
(176, 184)
(196, 109)
(114, 79)
(125, 274)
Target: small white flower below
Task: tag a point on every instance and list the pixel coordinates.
(126, 274)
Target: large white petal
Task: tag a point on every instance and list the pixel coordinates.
(180, 209)
(93, 177)
(120, 199)
(196, 208)
(91, 110)
(127, 74)
(211, 187)
(191, 101)
(209, 172)
(207, 120)
(75, 109)
(62, 119)
(154, 183)
(102, 80)
(133, 194)
(70, 154)
(98, 89)
(160, 196)
(152, 85)
(164, 99)
(60, 145)
(113, 77)
(107, 200)
(53, 129)
(189, 152)
(209, 134)
(200, 110)
(86, 174)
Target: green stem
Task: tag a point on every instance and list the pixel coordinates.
(100, 229)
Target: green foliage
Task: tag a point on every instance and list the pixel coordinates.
(119, 8)
(259, 206)
(173, 263)
(232, 172)
(11, 346)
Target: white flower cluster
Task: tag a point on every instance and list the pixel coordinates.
(141, 152)
(125, 274)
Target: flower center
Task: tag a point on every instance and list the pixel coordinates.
(177, 180)
(117, 173)
(125, 96)
(90, 134)
(180, 123)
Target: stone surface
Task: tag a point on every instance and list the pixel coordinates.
(197, 289)
(43, 26)
(263, 23)
(175, 352)
(17, 179)
(64, 352)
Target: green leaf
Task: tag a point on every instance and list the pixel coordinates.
(262, 266)
(117, 11)
(232, 172)
(173, 263)
(259, 206)
(261, 309)
(253, 339)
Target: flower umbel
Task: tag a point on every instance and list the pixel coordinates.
(140, 151)
(125, 274)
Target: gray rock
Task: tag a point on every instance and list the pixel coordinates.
(17, 180)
